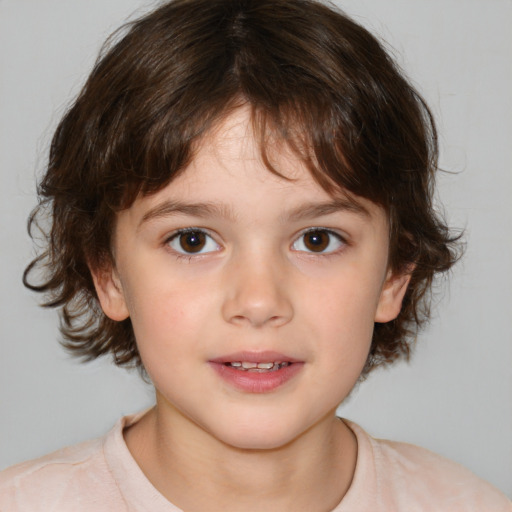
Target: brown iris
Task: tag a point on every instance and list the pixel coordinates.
(192, 241)
(317, 241)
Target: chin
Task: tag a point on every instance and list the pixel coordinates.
(257, 441)
(258, 434)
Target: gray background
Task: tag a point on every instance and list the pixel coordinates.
(455, 397)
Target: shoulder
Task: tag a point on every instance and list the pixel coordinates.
(429, 476)
(405, 474)
(59, 481)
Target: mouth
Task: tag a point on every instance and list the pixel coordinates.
(248, 366)
(259, 372)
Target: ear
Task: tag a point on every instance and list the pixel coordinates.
(391, 296)
(110, 293)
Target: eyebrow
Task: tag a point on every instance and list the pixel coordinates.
(313, 210)
(205, 210)
(170, 208)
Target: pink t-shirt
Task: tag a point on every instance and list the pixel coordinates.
(102, 476)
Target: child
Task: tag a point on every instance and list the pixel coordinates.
(241, 204)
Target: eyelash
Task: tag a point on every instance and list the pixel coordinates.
(300, 239)
(189, 255)
(333, 236)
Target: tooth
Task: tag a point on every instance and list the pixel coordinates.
(265, 366)
(258, 367)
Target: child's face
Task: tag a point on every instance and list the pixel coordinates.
(268, 271)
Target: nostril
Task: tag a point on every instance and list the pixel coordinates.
(252, 303)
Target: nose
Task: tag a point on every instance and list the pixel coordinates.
(257, 294)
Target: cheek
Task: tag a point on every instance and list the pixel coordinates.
(349, 297)
(342, 313)
(167, 316)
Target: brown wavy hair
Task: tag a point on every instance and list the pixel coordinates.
(310, 74)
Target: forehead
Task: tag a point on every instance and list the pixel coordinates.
(235, 171)
(240, 138)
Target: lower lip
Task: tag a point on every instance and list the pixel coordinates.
(257, 382)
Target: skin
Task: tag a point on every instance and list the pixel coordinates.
(255, 285)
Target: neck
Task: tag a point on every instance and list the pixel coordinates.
(196, 473)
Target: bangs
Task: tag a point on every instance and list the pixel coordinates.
(307, 133)
(333, 95)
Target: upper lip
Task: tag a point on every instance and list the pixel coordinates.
(265, 356)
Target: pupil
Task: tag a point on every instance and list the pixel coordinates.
(193, 241)
(317, 241)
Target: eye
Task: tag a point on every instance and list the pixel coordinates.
(318, 240)
(192, 241)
